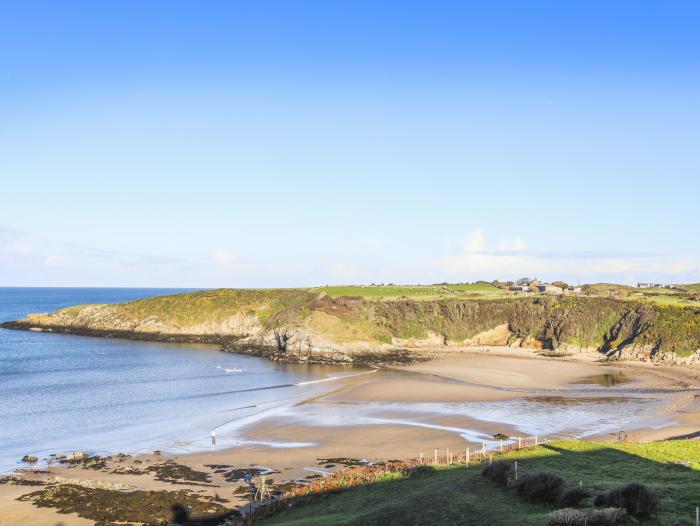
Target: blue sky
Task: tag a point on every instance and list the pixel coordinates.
(206, 144)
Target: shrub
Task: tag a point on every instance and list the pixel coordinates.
(499, 472)
(539, 487)
(608, 517)
(573, 497)
(637, 499)
(567, 517)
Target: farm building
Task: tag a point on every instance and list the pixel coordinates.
(548, 288)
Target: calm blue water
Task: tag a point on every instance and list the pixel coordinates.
(62, 393)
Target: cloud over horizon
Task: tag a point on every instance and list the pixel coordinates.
(510, 260)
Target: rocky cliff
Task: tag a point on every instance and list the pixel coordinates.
(303, 325)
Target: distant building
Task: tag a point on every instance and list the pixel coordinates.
(519, 288)
(655, 285)
(548, 288)
(575, 290)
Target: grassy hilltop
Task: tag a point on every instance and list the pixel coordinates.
(346, 318)
(459, 495)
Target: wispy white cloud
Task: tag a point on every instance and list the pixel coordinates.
(510, 259)
(223, 258)
(474, 242)
(517, 245)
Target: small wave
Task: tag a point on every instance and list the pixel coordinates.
(468, 435)
(340, 377)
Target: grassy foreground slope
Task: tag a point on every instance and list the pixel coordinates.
(461, 496)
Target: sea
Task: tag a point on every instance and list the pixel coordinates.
(62, 393)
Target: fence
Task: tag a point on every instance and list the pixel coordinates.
(469, 455)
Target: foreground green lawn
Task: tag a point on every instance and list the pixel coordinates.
(461, 496)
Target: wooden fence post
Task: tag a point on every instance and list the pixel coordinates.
(516, 470)
(520, 444)
(435, 458)
(467, 457)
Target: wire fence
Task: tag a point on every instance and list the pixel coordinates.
(447, 457)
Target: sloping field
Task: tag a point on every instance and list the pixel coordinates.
(462, 496)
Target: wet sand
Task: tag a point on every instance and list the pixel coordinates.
(399, 413)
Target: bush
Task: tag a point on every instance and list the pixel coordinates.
(499, 472)
(637, 499)
(567, 517)
(539, 487)
(608, 517)
(573, 497)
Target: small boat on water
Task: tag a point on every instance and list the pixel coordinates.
(234, 370)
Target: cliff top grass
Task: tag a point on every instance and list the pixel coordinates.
(459, 495)
(681, 296)
(477, 290)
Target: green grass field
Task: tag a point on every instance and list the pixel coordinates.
(458, 495)
(485, 290)
(478, 290)
(659, 296)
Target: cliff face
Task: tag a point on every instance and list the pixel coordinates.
(308, 325)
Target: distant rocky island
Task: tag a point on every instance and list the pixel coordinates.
(384, 323)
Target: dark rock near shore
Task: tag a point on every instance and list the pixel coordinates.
(30, 458)
(235, 345)
(17, 480)
(172, 472)
(343, 461)
(379, 358)
(116, 507)
(123, 334)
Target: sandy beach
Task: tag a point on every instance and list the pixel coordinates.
(456, 399)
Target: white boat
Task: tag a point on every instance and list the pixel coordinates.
(233, 370)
